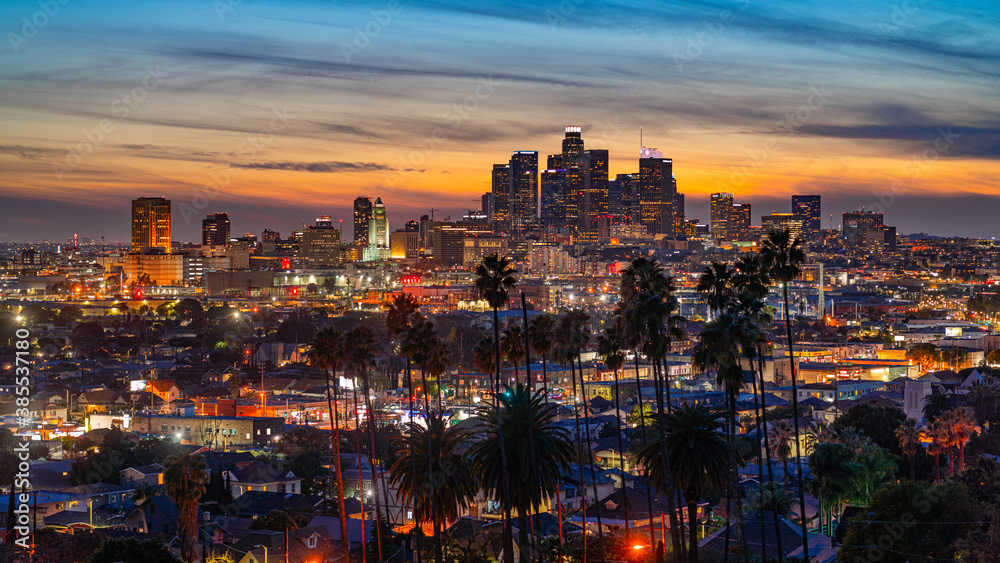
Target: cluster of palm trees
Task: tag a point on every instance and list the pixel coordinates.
(947, 431)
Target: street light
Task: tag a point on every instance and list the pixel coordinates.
(265, 551)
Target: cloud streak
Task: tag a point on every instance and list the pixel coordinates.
(319, 167)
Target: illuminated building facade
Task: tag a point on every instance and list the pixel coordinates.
(362, 218)
(215, 229)
(721, 208)
(809, 209)
(150, 224)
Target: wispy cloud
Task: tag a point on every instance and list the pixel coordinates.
(327, 166)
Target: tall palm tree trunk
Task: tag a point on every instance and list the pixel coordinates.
(559, 511)
(767, 453)
(345, 546)
(531, 432)
(795, 413)
(508, 539)
(661, 416)
(642, 424)
(372, 458)
(760, 464)
(621, 452)
(413, 457)
(361, 477)
(579, 459)
(692, 505)
(590, 450)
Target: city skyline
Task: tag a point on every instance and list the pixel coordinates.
(274, 113)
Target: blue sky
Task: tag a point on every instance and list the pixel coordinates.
(414, 101)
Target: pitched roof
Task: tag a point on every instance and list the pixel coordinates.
(260, 502)
(261, 472)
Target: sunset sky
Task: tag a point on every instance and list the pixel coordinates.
(280, 111)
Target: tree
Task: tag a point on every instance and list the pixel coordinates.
(541, 340)
(494, 278)
(328, 353)
(698, 456)
(434, 477)
(936, 405)
(275, 520)
(878, 423)
(534, 448)
(909, 436)
(781, 255)
(834, 470)
(305, 448)
(993, 358)
(185, 478)
(132, 550)
(959, 425)
(926, 355)
(512, 347)
(910, 521)
(954, 356)
(641, 411)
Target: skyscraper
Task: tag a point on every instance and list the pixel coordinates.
(378, 227)
(621, 196)
(215, 229)
(553, 187)
(486, 205)
(523, 191)
(855, 225)
(679, 217)
(738, 226)
(572, 149)
(721, 208)
(592, 204)
(362, 217)
(781, 221)
(808, 208)
(500, 182)
(656, 192)
(150, 223)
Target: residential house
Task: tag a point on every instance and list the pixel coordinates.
(142, 475)
(261, 476)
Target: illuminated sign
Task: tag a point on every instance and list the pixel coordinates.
(412, 280)
(953, 331)
(137, 385)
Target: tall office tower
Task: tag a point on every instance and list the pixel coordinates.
(572, 151)
(215, 229)
(781, 221)
(656, 191)
(554, 162)
(500, 183)
(617, 204)
(553, 188)
(424, 229)
(486, 205)
(412, 227)
(320, 243)
(808, 208)
(362, 217)
(856, 223)
(523, 191)
(627, 188)
(592, 205)
(150, 223)
(738, 225)
(378, 227)
(679, 217)
(721, 207)
(270, 236)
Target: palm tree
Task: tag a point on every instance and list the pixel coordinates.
(781, 255)
(610, 348)
(494, 278)
(483, 358)
(541, 340)
(936, 405)
(697, 454)
(536, 449)
(185, 478)
(361, 349)
(833, 470)
(328, 353)
(512, 347)
(938, 445)
(447, 486)
(960, 425)
(716, 286)
(781, 437)
(908, 435)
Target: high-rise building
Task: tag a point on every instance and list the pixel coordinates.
(554, 162)
(856, 223)
(215, 229)
(781, 221)
(500, 182)
(378, 227)
(553, 187)
(721, 207)
(679, 217)
(486, 205)
(270, 236)
(623, 198)
(362, 218)
(412, 227)
(739, 222)
(656, 192)
(404, 245)
(808, 208)
(150, 224)
(572, 151)
(321, 243)
(592, 205)
(523, 191)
